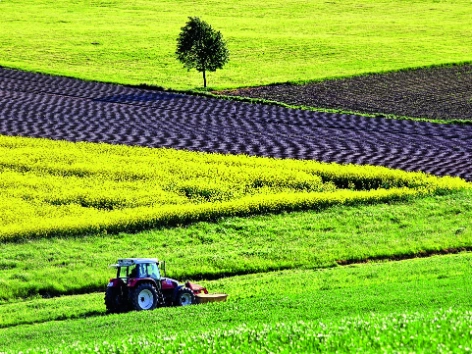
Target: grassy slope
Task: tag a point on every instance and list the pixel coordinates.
(240, 245)
(270, 41)
(331, 295)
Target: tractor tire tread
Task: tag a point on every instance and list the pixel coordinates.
(134, 298)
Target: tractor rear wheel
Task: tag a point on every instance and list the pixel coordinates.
(184, 297)
(114, 301)
(144, 297)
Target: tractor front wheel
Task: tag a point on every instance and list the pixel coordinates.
(184, 297)
(144, 297)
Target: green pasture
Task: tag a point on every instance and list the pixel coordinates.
(232, 246)
(133, 42)
(363, 307)
(288, 292)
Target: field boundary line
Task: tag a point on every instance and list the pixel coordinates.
(338, 263)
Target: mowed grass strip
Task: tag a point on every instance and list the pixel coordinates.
(53, 188)
(134, 42)
(232, 246)
(368, 306)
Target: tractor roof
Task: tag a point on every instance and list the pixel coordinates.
(126, 262)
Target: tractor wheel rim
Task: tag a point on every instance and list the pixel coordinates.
(185, 299)
(145, 299)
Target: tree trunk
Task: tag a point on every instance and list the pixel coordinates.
(204, 79)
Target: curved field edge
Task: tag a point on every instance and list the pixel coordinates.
(370, 73)
(56, 188)
(139, 219)
(269, 95)
(411, 291)
(234, 246)
(115, 48)
(321, 109)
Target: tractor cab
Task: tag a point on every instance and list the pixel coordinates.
(137, 268)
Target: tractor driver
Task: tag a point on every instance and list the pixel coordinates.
(134, 272)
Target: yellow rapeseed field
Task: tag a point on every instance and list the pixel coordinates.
(52, 188)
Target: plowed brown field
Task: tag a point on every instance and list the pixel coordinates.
(437, 93)
(68, 109)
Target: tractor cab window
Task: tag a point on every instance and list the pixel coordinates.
(140, 271)
(132, 271)
(137, 271)
(153, 271)
(123, 272)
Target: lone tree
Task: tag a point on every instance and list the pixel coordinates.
(199, 46)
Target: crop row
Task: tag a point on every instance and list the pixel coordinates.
(73, 221)
(60, 188)
(440, 93)
(66, 109)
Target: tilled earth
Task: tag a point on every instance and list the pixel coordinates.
(436, 93)
(61, 108)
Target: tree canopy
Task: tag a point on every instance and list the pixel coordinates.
(200, 47)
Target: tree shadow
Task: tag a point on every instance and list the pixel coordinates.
(140, 97)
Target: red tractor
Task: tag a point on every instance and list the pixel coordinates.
(139, 285)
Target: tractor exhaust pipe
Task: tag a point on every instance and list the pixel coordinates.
(163, 267)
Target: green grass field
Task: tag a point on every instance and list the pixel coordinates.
(401, 306)
(271, 41)
(243, 245)
(282, 270)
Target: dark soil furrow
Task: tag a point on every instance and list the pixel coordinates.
(62, 108)
(437, 93)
